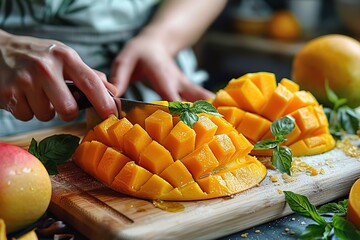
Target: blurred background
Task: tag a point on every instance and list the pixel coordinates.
(265, 35)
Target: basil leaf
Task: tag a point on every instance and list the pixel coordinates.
(189, 118)
(58, 147)
(313, 231)
(266, 144)
(349, 120)
(188, 113)
(178, 107)
(344, 229)
(202, 106)
(282, 126)
(54, 150)
(301, 205)
(282, 158)
(331, 95)
(33, 148)
(339, 208)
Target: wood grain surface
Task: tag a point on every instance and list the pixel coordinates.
(101, 213)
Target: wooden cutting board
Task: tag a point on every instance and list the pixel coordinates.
(101, 213)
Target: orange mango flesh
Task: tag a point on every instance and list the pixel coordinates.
(353, 213)
(206, 162)
(259, 101)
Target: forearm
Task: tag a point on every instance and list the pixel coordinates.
(180, 23)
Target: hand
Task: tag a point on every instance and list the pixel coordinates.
(32, 84)
(146, 57)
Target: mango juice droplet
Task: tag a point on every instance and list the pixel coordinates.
(169, 206)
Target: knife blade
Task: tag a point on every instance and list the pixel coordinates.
(135, 111)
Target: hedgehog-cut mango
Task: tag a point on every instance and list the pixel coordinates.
(253, 101)
(170, 161)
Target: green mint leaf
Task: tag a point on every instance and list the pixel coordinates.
(301, 205)
(54, 150)
(344, 229)
(313, 231)
(282, 126)
(202, 106)
(189, 118)
(339, 208)
(282, 158)
(266, 144)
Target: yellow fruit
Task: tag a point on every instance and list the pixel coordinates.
(273, 101)
(25, 187)
(175, 163)
(2, 229)
(335, 58)
(284, 26)
(353, 214)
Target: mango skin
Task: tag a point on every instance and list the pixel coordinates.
(335, 58)
(25, 187)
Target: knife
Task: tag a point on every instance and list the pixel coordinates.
(134, 111)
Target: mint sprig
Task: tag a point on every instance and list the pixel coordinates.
(338, 225)
(189, 112)
(282, 155)
(54, 150)
(341, 117)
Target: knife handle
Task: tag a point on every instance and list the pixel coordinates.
(80, 98)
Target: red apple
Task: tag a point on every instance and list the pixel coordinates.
(25, 187)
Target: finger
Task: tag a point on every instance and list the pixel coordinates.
(40, 104)
(193, 92)
(17, 105)
(111, 87)
(121, 71)
(91, 85)
(165, 81)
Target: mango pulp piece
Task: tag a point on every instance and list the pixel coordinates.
(89, 136)
(154, 188)
(200, 161)
(247, 95)
(177, 174)
(117, 131)
(158, 125)
(232, 114)
(223, 99)
(253, 126)
(242, 145)
(222, 147)
(313, 145)
(135, 140)
(101, 130)
(180, 141)
(306, 119)
(205, 129)
(223, 126)
(155, 158)
(110, 165)
(130, 178)
(300, 99)
(265, 81)
(290, 85)
(277, 103)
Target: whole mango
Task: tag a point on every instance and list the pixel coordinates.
(335, 58)
(25, 187)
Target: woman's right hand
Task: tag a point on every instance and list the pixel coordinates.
(32, 83)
